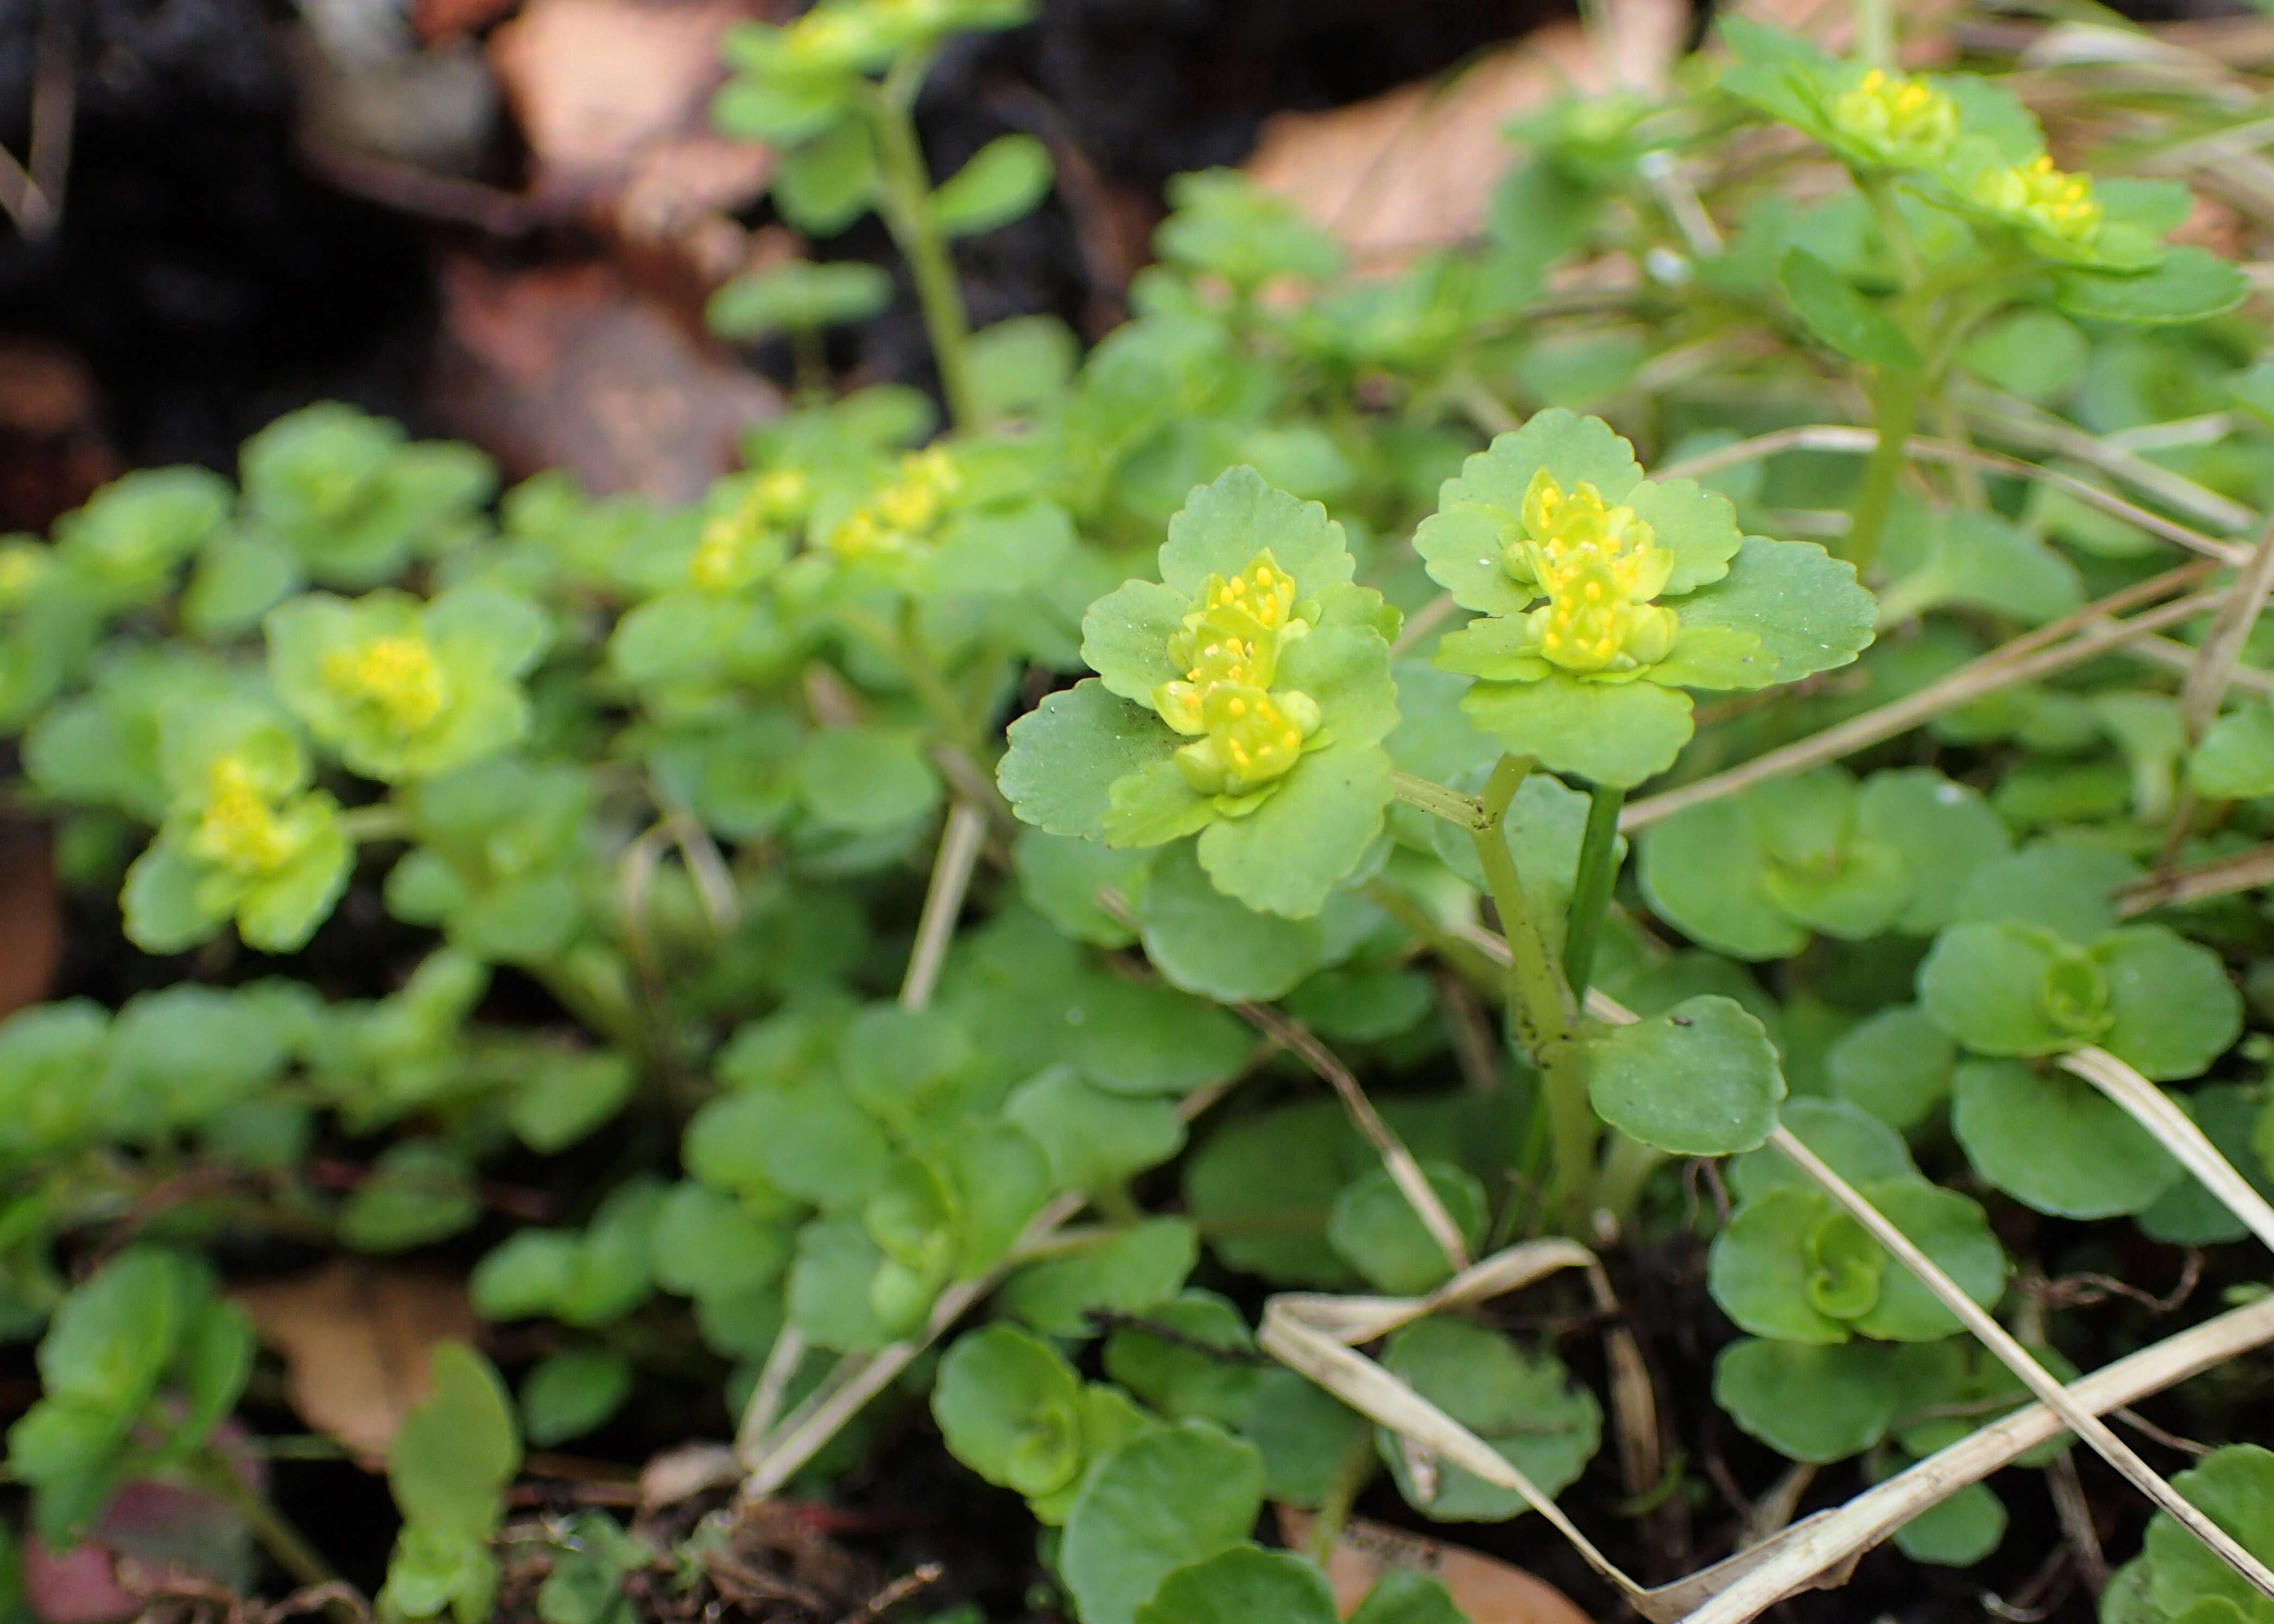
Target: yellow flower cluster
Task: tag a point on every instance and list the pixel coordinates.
(397, 676)
(905, 513)
(1245, 736)
(1600, 566)
(23, 565)
(1902, 121)
(737, 546)
(239, 831)
(2037, 197)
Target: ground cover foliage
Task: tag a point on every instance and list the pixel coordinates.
(1361, 769)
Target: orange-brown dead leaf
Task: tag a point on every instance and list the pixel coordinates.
(594, 84)
(31, 915)
(1487, 1591)
(1414, 169)
(571, 367)
(355, 1336)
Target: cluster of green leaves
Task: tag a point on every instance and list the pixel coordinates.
(696, 775)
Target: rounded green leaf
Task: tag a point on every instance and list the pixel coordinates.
(1701, 870)
(1760, 1268)
(2056, 1143)
(1224, 525)
(1004, 179)
(1806, 606)
(567, 1394)
(1244, 1585)
(1858, 1147)
(2235, 761)
(2067, 890)
(2175, 1009)
(1068, 753)
(1207, 942)
(1094, 1138)
(1837, 313)
(457, 1448)
(1161, 1500)
(1009, 1407)
(1378, 1234)
(1896, 1065)
(1818, 1402)
(1309, 834)
(1951, 1230)
(1609, 733)
(866, 780)
(1129, 1272)
(1523, 1405)
(1700, 1081)
(1944, 831)
(2234, 1487)
(1955, 1532)
(1203, 1363)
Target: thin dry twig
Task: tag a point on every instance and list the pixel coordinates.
(943, 905)
(2244, 871)
(1995, 670)
(1860, 442)
(2205, 688)
(1299, 1041)
(2015, 1357)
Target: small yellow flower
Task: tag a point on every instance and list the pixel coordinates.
(1562, 526)
(2035, 195)
(782, 496)
(1234, 635)
(1898, 119)
(1596, 620)
(1253, 737)
(22, 565)
(239, 831)
(397, 676)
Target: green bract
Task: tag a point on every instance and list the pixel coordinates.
(402, 689)
(1650, 589)
(243, 837)
(1243, 698)
(344, 499)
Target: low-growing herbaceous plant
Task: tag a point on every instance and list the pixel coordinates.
(1215, 920)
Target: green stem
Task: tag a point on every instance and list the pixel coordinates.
(1875, 33)
(905, 201)
(286, 1544)
(1591, 891)
(1895, 408)
(1466, 959)
(1574, 1131)
(1627, 1167)
(1539, 1001)
(382, 819)
(1437, 800)
(1351, 1475)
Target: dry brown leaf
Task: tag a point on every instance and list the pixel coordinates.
(1414, 169)
(355, 1336)
(571, 367)
(1487, 1590)
(31, 915)
(594, 83)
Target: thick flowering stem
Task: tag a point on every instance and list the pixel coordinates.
(1591, 891)
(1540, 1007)
(1895, 410)
(905, 201)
